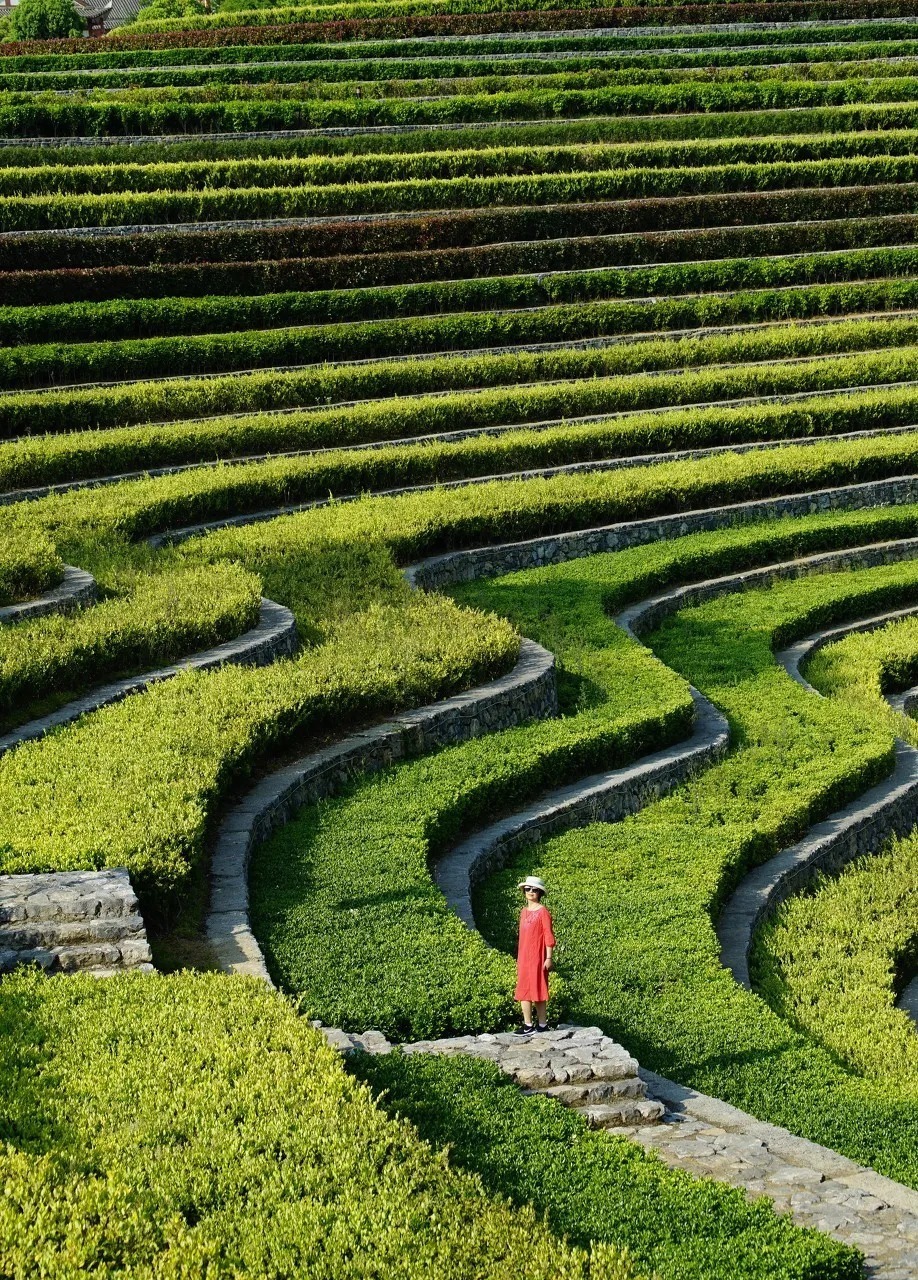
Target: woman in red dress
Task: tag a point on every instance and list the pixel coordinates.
(533, 958)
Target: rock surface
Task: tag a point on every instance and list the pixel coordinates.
(72, 921)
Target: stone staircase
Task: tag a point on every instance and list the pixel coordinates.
(578, 1066)
(72, 921)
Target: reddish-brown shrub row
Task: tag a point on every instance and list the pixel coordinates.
(460, 229)
(167, 279)
(481, 23)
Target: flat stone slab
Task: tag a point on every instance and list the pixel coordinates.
(602, 1085)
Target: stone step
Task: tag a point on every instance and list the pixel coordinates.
(60, 896)
(575, 1095)
(50, 934)
(102, 971)
(127, 953)
(628, 1111)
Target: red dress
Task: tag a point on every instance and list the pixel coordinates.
(535, 936)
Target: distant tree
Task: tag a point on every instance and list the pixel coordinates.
(45, 20)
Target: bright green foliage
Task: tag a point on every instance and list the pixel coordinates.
(165, 617)
(342, 896)
(29, 565)
(134, 784)
(829, 963)
(634, 901)
(593, 1186)
(193, 1125)
(863, 667)
(580, 383)
(34, 365)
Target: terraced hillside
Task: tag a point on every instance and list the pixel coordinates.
(440, 442)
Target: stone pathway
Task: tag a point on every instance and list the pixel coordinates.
(817, 1187)
(578, 1066)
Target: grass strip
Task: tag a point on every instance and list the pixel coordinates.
(162, 618)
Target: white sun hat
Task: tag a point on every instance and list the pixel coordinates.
(532, 882)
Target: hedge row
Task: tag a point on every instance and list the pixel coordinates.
(29, 566)
(282, 64)
(183, 1095)
(66, 116)
(306, 879)
(345, 471)
(830, 963)
(24, 289)
(455, 163)
(558, 74)
(285, 350)
(163, 618)
(485, 390)
(43, 212)
(420, 138)
(353, 11)
(684, 215)
(146, 318)
(67, 797)
(189, 738)
(127, 57)
(833, 961)
(418, 26)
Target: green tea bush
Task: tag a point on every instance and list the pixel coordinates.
(194, 1125)
(342, 898)
(65, 117)
(61, 285)
(346, 471)
(144, 318)
(133, 785)
(649, 224)
(164, 617)
(29, 566)
(39, 212)
(829, 962)
(282, 351)
(635, 901)
(480, 162)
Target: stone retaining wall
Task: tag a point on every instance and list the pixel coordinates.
(888, 809)
(492, 561)
(605, 797)
(76, 588)
(447, 437)
(526, 693)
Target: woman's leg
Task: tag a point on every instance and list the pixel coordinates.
(542, 1011)
(527, 1012)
